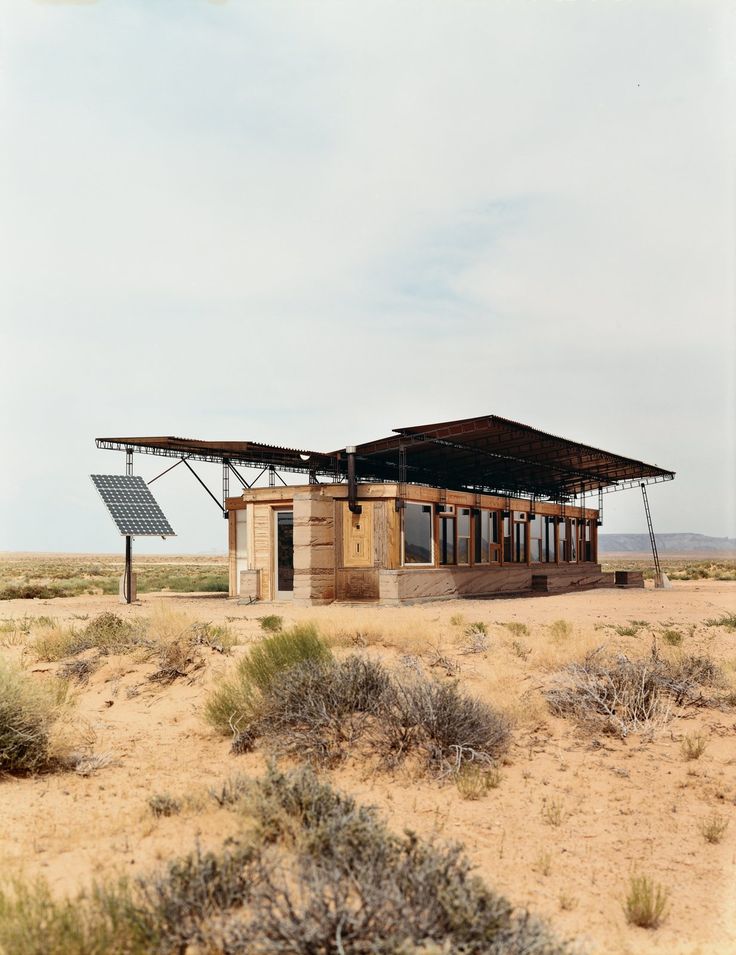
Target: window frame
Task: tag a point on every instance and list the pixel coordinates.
(432, 545)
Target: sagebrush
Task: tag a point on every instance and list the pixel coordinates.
(319, 875)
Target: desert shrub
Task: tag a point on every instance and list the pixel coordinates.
(320, 875)
(624, 695)
(646, 902)
(28, 711)
(439, 721)
(693, 746)
(727, 620)
(235, 701)
(162, 804)
(181, 902)
(272, 623)
(30, 590)
(714, 828)
(672, 637)
(355, 882)
(103, 920)
(319, 708)
(627, 630)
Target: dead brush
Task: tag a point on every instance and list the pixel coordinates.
(625, 696)
(79, 669)
(438, 660)
(475, 639)
(177, 658)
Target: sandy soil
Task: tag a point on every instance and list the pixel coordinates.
(626, 805)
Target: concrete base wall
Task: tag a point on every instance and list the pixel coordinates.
(410, 584)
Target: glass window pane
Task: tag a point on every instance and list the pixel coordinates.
(447, 540)
(520, 543)
(417, 534)
(463, 535)
(549, 540)
(482, 529)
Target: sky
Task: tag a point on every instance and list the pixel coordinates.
(310, 223)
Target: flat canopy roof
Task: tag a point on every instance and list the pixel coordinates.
(487, 454)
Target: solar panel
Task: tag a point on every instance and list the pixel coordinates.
(132, 506)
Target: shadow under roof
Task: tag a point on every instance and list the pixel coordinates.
(486, 454)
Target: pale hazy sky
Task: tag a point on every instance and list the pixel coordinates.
(307, 223)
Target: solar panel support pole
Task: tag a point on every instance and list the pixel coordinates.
(129, 461)
(128, 588)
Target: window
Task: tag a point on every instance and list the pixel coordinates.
(536, 529)
(447, 534)
(564, 542)
(417, 533)
(485, 535)
(573, 540)
(519, 537)
(549, 540)
(586, 547)
(463, 535)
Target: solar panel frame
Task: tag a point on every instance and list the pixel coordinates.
(131, 505)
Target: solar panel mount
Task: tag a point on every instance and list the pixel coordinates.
(132, 506)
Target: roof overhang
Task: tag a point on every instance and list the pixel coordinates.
(487, 454)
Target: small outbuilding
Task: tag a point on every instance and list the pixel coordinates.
(479, 507)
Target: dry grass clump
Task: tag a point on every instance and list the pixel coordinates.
(693, 745)
(645, 904)
(29, 710)
(727, 620)
(622, 695)
(271, 623)
(671, 636)
(106, 632)
(234, 702)
(560, 630)
(163, 804)
(714, 828)
(518, 629)
(319, 874)
(319, 709)
(169, 637)
(473, 781)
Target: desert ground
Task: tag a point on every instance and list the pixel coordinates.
(576, 812)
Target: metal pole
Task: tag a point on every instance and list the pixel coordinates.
(128, 569)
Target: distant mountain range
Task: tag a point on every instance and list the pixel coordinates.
(666, 544)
